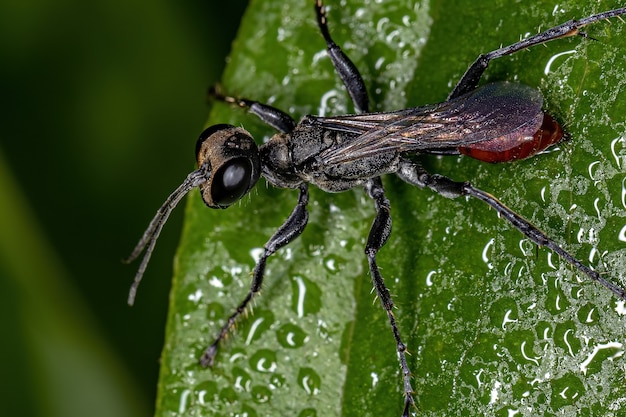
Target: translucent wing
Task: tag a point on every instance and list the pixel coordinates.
(493, 111)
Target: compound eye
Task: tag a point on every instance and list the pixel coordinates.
(231, 182)
(233, 159)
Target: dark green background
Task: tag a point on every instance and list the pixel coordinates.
(101, 104)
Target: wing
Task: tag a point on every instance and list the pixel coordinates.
(489, 112)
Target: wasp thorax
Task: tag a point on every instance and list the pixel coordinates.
(233, 160)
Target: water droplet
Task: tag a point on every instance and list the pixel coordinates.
(612, 350)
(261, 394)
(276, 381)
(306, 296)
(557, 303)
(550, 261)
(182, 404)
(379, 63)
(526, 356)
(566, 335)
(309, 380)
(308, 412)
(195, 296)
(548, 67)
(507, 319)
(322, 330)
(493, 396)
(618, 154)
(374, 376)
(206, 392)
(429, 278)
(256, 324)
(228, 394)
(527, 247)
(486, 251)
(478, 376)
(246, 411)
(255, 328)
(328, 101)
(381, 24)
(256, 253)
(216, 282)
(587, 314)
(330, 264)
(214, 311)
(291, 336)
(596, 205)
(624, 192)
(264, 360)
(242, 380)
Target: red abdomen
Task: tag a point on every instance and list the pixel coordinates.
(517, 145)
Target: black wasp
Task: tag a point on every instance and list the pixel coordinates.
(497, 122)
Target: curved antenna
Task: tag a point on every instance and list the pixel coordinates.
(150, 236)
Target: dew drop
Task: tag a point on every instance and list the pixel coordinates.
(308, 412)
(261, 394)
(291, 336)
(264, 361)
(611, 346)
(309, 380)
(548, 67)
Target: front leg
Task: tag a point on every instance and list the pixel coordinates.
(270, 115)
(291, 229)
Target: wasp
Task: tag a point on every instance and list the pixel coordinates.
(496, 122)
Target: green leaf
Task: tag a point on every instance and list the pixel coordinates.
(495, 325)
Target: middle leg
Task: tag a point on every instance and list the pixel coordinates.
(381, 228)
(290, 230)
(379, 233)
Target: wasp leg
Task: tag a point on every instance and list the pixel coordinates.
(344, 67)
(379, 233)
(272, 116)
(291, 229)
(381, 228)
(470, 79)
(414, 174)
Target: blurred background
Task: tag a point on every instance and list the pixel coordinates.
(102, 102)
